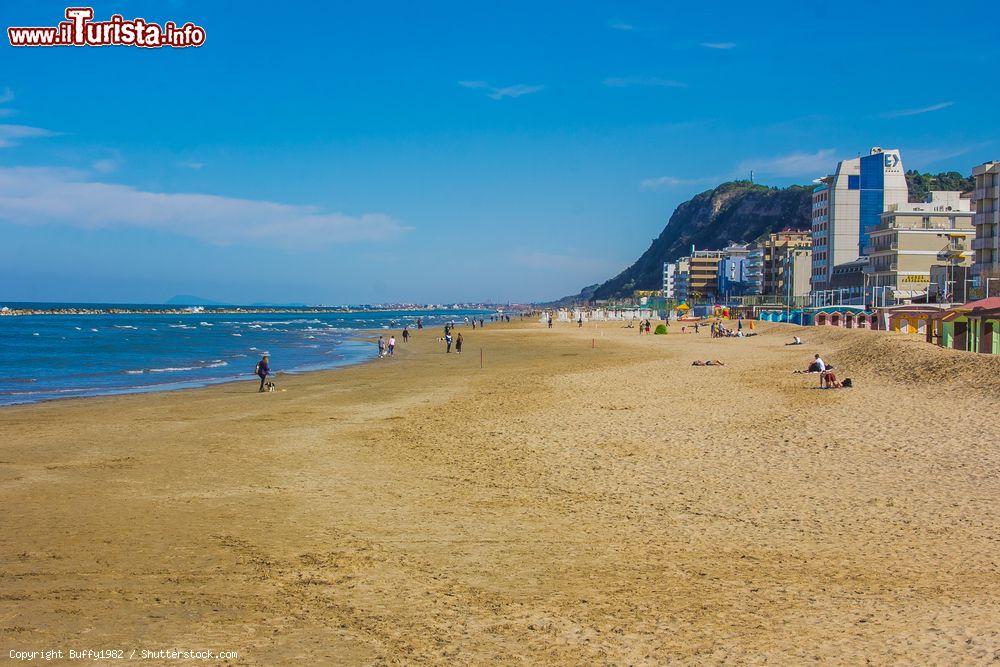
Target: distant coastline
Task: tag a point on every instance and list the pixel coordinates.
(124, 309)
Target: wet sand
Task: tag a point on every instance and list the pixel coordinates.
(587, 497)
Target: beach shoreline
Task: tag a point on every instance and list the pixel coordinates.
(580, 495)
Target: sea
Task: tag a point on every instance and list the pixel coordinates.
(45, 357)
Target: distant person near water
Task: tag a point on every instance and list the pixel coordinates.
(263, 370)
(381, 347)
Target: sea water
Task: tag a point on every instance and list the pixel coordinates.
(44, 357)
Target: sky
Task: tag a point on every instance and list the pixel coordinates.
(437, 152)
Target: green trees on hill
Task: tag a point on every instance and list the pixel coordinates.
(921, 184)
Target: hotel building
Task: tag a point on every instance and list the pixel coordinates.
(703, 274)
(911, 238)
(848, 204)
(986, 218)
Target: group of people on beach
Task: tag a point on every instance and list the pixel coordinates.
(827, 377)
(456, 340)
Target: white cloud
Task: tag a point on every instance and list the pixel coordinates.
(664, 182)
(41, 196)
(498, 93)
(620, 25)
(725, 46)
(191, 165)
(651, 81)
(11, 135)
(791, 165)
(916, 112)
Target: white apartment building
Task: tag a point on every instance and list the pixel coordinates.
(848, 204)
(668, 279)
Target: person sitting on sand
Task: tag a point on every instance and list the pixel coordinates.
(795, 341)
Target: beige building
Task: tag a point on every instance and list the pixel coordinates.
(776, 249)
(986, 207)
(911, 238)
(796, 272)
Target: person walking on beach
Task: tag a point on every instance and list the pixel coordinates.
(263, 370)
(579, 322)
(550, 321)
(381, 347)
(420, 324)
(392, 345)
(447, 341)
(406, 335)
(458, 343)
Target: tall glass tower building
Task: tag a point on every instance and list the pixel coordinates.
(848, 204)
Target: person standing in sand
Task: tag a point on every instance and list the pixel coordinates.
(458, 343)
(392, 345)
(263, 370)
(447, 341)
(406, 335)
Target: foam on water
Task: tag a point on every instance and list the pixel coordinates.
(54, 356)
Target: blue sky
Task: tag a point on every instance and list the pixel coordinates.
(445, 151)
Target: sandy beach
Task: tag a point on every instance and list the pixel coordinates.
(588, 497)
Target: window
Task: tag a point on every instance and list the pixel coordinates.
(853, 182)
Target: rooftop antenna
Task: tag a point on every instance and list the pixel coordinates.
(751, 175)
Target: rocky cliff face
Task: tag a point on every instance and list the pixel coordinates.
(739, 211)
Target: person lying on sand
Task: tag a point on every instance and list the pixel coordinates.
(828, 380)
(710, 362)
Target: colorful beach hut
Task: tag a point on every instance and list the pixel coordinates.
(973, 327)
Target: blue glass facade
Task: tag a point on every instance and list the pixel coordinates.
(872, 183)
